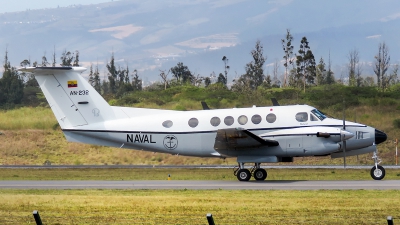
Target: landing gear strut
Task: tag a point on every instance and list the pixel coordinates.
(244, 174)
(377, 172)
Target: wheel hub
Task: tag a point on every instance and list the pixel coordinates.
(259, 174)
(378, 172)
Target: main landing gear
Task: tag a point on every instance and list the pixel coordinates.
(377, 172)
(243, 174)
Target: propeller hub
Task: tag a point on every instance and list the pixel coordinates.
(346, 135)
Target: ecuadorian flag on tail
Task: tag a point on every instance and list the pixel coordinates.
(72, 83)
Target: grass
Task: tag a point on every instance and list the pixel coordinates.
(27, 118)
(27, 137)
(191, 206)
(186, 174)
(35, 147)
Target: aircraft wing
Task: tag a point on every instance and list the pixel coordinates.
(237, 139)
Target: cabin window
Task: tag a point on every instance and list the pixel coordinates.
(193, 122)
(302, 117)
(256, 119)
(215, 121)
(271, 118)
(242, 120)
(229, 120)
(167, 124)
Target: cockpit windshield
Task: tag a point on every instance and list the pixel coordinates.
(318, 114)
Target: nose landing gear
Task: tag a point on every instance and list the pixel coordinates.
(377, 172)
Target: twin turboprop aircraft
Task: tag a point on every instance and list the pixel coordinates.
(252, 135)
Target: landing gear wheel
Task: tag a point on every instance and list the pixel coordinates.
(243, 175)
(377, 173)
(260, 174)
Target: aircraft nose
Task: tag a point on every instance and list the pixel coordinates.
(380, 136)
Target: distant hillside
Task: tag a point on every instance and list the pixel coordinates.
(153, 35)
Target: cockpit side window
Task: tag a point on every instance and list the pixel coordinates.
(313, 118)
(318, 114)
(302, 117)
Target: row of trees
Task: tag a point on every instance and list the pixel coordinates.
(301, 71)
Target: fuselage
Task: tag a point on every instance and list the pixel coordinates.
(193, 133)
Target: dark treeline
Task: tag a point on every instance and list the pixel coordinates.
(302, 73)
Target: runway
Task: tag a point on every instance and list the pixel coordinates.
(205, 185)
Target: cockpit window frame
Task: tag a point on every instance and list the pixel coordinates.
(318, 114)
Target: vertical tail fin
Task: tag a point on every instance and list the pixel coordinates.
(73, 100)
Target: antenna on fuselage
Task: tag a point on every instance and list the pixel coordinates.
(275, 102)
(205, 106)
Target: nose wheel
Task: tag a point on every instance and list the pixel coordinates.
(377, 172)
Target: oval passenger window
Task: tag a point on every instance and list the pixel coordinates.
(215, 121)
(167, 124)
(229, 120)
(193, 122)
(256, 119)
(242, 120)
(271, 118)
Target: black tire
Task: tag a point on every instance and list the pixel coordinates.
(243, 175)
(260, 174)
(378, 173)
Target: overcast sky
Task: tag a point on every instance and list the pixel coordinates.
(22, 5)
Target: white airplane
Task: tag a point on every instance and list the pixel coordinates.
(253, 135)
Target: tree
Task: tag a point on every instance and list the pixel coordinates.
(91, 76)
(96, 79)
(66, 58)
(54, 57)
(76, 60)
(221, 79)
(181, 73)
(164, 77)
(25, 63)
(288, 49)
(112, 75)
(207, 81)
(305, 62)
(44, 60)
(136, 81)
(382, 65)
(321, 72)
(226, 68)
(330, 78)
(275, 80)
(353, 68)
(11, 85)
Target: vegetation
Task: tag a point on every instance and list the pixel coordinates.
(191, 206)
(30, 134)
(156, 173)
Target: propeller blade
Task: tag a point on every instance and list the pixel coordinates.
(344, 135)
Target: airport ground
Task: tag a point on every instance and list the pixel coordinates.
(186, 206)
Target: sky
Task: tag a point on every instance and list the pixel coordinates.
(22, 5)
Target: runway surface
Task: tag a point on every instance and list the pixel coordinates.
(189, 166)
(205, 185)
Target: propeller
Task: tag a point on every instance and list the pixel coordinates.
(344, 135)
